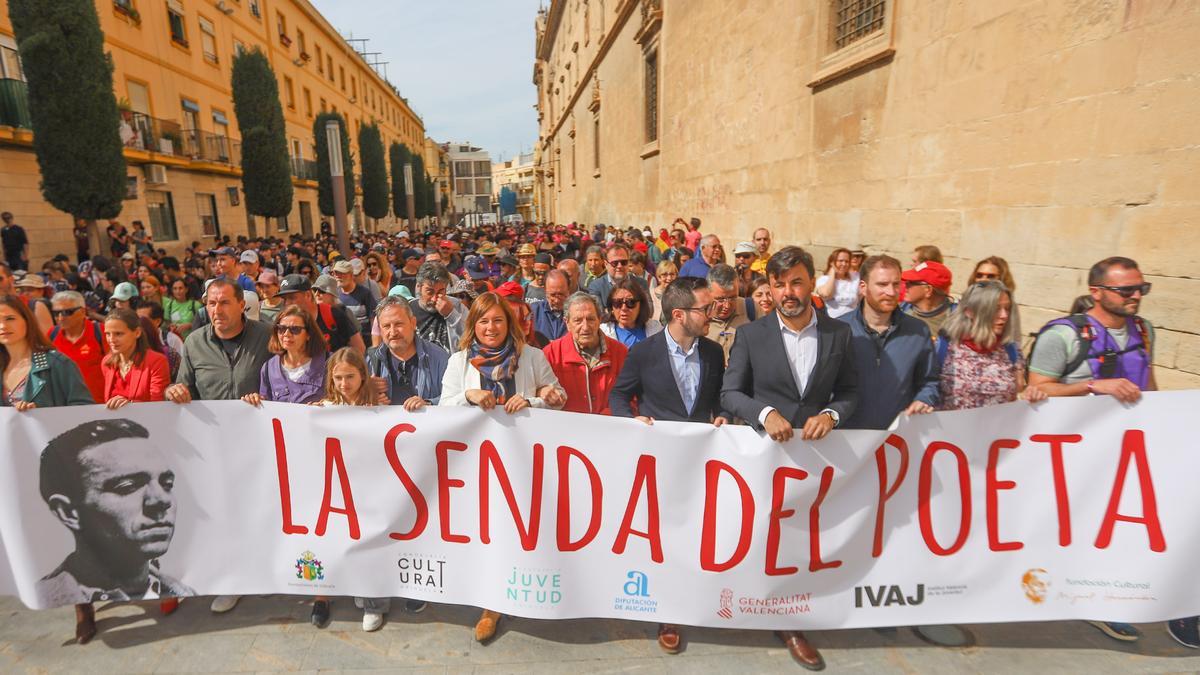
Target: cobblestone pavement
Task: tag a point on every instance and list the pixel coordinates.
(273, 634)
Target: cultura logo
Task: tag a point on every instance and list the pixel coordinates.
(1036, 584)
(886, 596)
(638, 584)
(309, 568)
(726, 611)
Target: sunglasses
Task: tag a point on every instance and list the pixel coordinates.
(64, 312)
(985, 275)
(293, 330)
(625, 304)
(1128, 291)
(619, 263)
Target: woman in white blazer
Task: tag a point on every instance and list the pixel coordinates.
(494, 367)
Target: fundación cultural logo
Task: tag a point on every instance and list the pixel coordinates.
(1036, 584)
(309, 568)
(635, 594)
(423, 572)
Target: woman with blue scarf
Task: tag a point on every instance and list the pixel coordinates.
(495, 368)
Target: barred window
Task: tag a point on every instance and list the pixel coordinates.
(856, 19)
(652, 96)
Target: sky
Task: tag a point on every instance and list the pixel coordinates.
(465, 66)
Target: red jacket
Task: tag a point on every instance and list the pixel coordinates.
(587, 392)
(147, 381)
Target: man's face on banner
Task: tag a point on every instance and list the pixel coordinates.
(127, 507)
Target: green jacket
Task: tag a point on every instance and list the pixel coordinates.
(54, 380)
(213, 376)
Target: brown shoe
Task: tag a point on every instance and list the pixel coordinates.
(668, 638)
(803, 653)
(485, 628)
(85, 623)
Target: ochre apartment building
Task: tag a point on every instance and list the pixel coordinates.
(1052, 134)
(173, 61)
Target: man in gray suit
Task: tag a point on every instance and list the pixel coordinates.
(792, 369)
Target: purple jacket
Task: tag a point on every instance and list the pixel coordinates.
(274, 385)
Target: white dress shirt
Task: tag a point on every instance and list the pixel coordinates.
(686, 368)
(801, 347)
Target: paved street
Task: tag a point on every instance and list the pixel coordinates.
(272, 634)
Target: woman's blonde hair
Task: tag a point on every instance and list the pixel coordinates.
(484, 304)
(976, 313)
(366, 394)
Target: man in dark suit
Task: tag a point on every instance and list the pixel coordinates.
(792, 369)
(675, 376)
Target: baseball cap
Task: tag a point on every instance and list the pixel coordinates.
(342, 267)
(410, 253)
(526, 249)
(293, 283)
(477, 268)
(268, 277)
(357, 266)
(402, 235)
(224, 250)
(126, 256)
(745, 247)
(929, 272)
(510, 289)
(248, 257)
(326, 284)
(124, 291)
(401, 291)
(509, 260)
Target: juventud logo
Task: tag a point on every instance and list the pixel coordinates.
(1036, 583)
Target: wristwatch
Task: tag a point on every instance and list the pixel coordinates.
(837, 419)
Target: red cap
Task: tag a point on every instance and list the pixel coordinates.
(641, 246)
(933, 273)
(511, 289)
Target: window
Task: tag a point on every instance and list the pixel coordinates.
(139, 97)
(329, 66)
(281, 26)
(238, 48)
(162, 215)
(281, 223)
(175, 22)
(596, 146)
(652, 96)
(320, 62)
(254, 9)
(483, 186)
(342, 76)
(856, 19)
(462, 169)
(191, 114)
(323, 105)
(220, 123)
(206, 207)
(10, 60)
(300, 42)
(297, 150)
(208, 40)
(289, 92)
(462, 186)
(353, 87)
(483, 168)
(572, 157)
(308, 109)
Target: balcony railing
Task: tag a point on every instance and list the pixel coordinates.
(143, 132)
(304, 169)
(210, 147)
(14, 104)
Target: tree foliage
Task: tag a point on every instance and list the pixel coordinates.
(374, 171)
(420, 182)
(72, 106)
(324, 182)
(398, 156)
(266, 168)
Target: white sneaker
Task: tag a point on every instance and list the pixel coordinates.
(372, 621)
(224, 603)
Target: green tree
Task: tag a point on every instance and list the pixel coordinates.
(266, 169)
(374, 171)
(72, 108)
(324, 182)
(430, 197)
(420, 194)
(398, 156)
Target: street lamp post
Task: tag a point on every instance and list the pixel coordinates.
(411, 195)
(333, 140)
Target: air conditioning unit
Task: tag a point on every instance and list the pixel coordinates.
(156, 174)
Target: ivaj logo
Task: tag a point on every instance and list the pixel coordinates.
(309, 568)
(638, 584)
(886, 596)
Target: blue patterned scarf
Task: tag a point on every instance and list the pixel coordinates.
(497, 368)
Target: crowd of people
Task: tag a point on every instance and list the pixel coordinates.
(602, 320)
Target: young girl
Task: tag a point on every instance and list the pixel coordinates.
(347, 382)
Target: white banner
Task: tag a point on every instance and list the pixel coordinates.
(1073, 509)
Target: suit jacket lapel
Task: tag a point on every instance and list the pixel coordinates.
(664, 358)
(781, 355)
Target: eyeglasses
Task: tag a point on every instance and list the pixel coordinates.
(372, 264)
(985, 275)
(703, 310)
(619, 263)
(64, 312)
(1127, 291)
(724, 301)
(293, 330)
(625, 303)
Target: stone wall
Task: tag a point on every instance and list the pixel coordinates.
(1050, 133)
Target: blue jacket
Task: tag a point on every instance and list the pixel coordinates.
(431, 366)
(54, 380)
(894, 369)
(696, 267)
(546, 321)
